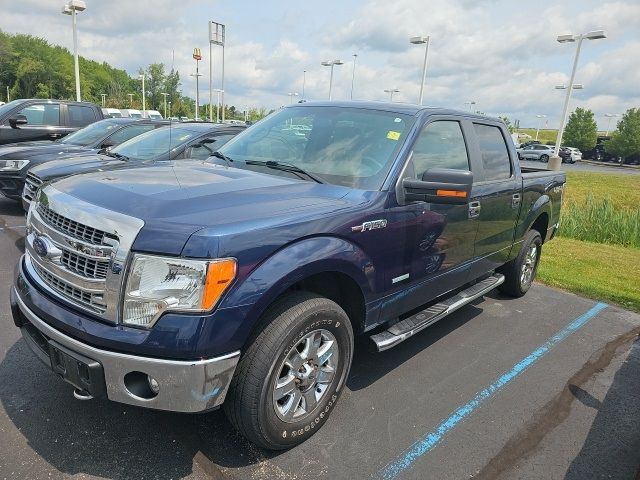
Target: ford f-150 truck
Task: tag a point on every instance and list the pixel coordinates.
(241, 280)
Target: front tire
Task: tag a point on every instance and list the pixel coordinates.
(544, 158)
(292, 373)
(520, 272)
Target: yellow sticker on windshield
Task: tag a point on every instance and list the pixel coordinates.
(391, 135)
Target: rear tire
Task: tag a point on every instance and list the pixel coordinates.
(292, 372)
(544, 158)
(520, 272)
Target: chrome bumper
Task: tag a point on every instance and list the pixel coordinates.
(185, 386)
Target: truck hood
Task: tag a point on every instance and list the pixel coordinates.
(36, 150)
(71, 165)
(176, 199)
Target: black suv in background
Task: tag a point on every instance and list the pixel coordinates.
(17, 158)
(38, 119)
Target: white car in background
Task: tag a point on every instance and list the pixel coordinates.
(576, 155)
(112, 112)
(131, 112)
(154, 115)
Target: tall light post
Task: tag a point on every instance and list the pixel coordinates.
(331, 63)
(144, 97)
(610, 116)
(130, 95)
(217, 37)
(304, 81)
(391, 91)
(104, 96)
(72, 8)
(169, 109)
(219, 92)
(471, 103)
(165, 95)
(353, 73)
(555, 161)
(291, 95)
(8, 100)
(197, 56)
(422, 41)
(539, 117)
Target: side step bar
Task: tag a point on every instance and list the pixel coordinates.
(410, 326)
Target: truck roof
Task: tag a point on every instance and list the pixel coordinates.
(400, 108)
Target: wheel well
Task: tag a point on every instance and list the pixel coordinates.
(541, 224)
(340, 288)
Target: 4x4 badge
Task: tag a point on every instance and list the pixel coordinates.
(370, 225)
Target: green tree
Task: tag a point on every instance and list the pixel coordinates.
(508, 123)
(581, 131)
(625, 141)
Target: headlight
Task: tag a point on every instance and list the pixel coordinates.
(158, 284)
(12, 165)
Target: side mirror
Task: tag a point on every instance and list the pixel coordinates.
(439, 185)
(107, 144)
(18, 120)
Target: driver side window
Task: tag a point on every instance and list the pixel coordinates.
(440, 145)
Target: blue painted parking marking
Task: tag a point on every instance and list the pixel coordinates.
(432, 439)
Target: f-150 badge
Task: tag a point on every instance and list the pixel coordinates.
(371, 225)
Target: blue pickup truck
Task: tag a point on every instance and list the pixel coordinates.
(240, 281)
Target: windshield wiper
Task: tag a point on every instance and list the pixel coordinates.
(117, 155)
(223, 157)
(285, 167)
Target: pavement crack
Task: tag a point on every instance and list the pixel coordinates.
(548, 417)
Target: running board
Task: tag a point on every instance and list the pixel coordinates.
(408, 327)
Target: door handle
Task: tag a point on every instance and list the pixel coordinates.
(55, 135)
(474, 209)
(515, 200)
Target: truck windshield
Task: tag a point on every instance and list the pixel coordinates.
(90, 134)
(348, 146)
(155, 144)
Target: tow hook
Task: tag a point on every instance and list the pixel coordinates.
(81, 394)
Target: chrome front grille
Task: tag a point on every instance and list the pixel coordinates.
(88, 299)
(77, 251)
(85, 266)
(31, 185)
(71, 227)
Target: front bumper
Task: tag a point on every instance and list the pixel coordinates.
(184, 385)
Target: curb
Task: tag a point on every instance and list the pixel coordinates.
(609, 164)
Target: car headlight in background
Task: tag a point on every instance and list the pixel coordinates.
(12, 165)
(159, 284)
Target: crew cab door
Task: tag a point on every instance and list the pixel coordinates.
(496, 195)
(432, 243)
(44, 122)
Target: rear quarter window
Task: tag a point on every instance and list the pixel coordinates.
(80, 115)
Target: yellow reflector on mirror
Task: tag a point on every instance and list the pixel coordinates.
(451, 193)
(220, 274)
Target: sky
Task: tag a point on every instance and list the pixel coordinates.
(503, 55)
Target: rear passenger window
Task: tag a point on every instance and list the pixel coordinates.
(440, 145)
(80, 116)
(495, 156)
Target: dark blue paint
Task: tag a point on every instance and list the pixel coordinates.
(282, 230)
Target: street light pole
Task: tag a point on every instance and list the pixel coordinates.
(331, 64)
(304, 80)
(144, 97)
(72, 8)
(104, 96)
(422, 41)
(164, 94)
(353, 73)
(471, 103)
(291, 95)
(610, 116)
(218, 91)
(391, 91)
(130, 100)
(554, 161)
(539, 117)
(197, 56)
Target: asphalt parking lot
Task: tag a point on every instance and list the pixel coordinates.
(547, 386)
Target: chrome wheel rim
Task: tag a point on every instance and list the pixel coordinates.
(529, 265)
(305, 375)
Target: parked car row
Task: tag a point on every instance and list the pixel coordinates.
(132, 113)
(542, 153)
